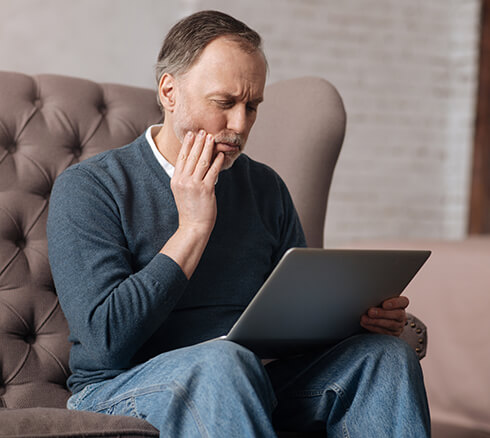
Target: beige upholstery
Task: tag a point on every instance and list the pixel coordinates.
(46, 124)
(299, 131)
(451, 294)
(49, 122)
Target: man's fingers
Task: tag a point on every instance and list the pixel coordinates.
(195, 153)
(401, 302)
(385, 326)
(213, 172)
(204, 161)
(395, 315)
(382, 330)
(388, 324)
(184, 152)
(392, 309)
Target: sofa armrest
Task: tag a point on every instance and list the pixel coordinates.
(415, 334)
(63, 423)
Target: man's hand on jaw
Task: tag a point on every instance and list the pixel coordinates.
(193, 183)
(389, 319)
(193, 187)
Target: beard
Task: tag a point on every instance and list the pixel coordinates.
(224, 141)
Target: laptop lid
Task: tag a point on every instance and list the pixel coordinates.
(315, 297)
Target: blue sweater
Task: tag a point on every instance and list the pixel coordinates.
(125, 302)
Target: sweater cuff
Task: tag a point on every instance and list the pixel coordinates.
(165, 270)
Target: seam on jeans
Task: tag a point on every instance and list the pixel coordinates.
(131, 409)
(132, 403)
(178, 391)
(130, 397)
(345, 432)
(340, 394)
(192, 408)
(100, 406)
(74, 402)
(342, 397)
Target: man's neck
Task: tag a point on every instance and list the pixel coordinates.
(167, 143)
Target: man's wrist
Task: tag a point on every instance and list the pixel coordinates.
(186, 246)
(195, 231)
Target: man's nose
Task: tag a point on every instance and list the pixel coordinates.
(237, 119)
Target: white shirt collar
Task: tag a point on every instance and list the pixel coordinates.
(160, 158)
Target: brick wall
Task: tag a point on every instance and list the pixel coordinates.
(406, 70)
(108, 41)
(407, 73)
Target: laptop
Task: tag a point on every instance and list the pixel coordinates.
(314, 298)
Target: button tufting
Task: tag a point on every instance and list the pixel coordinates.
(12, 148)
(21, 243)
(76, 151)
(3, 389)
(37, 103)
(103, 109)
(30, 338)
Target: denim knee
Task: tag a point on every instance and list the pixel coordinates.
(389, 352)
(227, 368)
(395, 348)
(231, 359)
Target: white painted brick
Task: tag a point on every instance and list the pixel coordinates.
(407, 71)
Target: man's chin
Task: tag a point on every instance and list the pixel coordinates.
(229, 160)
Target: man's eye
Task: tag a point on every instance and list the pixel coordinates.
(224, 103)
(251, 108)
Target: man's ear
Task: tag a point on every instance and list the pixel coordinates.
(166, 91)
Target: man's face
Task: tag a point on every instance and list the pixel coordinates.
(220, 94)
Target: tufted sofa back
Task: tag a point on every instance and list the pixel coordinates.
(46, 124)
(49, 122)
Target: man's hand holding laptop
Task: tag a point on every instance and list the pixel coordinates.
(389, 319)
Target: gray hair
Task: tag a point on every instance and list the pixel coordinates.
(189, 37)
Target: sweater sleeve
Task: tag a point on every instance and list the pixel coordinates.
(110, 309)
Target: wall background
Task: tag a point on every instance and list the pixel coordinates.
(407, 72)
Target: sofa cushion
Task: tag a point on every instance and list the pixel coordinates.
(444, 430)
(52, 422)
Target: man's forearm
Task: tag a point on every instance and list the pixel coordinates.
(186, 247)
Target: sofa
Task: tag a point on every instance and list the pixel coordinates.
(47, 123)
(451, 294)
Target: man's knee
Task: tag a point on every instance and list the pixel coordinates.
(391, 346)
(388, 351)
(230, 358)
(226, 366)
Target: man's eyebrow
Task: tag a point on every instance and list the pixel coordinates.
(230, 96)
(257, 100)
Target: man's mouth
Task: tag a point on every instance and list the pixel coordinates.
(227, 147)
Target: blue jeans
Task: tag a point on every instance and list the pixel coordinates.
(366, 386)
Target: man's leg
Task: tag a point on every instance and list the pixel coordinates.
(366, 386)
(213, 389)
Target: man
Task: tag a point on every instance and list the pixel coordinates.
(157, 247)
